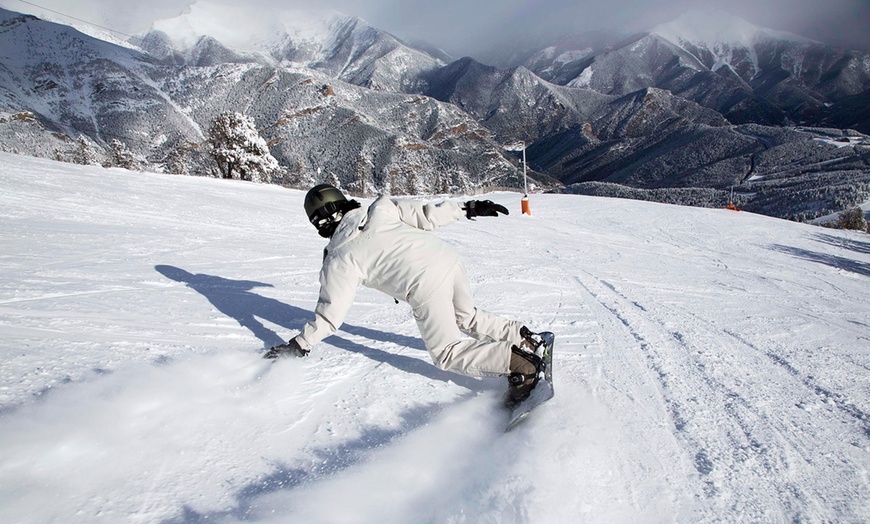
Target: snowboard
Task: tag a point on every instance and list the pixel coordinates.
(543, 390)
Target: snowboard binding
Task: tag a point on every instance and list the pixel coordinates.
(531, 384)
(528, 366)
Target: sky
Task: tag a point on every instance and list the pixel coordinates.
(473, 27)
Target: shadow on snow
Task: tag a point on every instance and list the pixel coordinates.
(235, 299)
(838, 262)
(845, 243)
(323, 464)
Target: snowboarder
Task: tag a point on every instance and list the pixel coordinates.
(387, 247)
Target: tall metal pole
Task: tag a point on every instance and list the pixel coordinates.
(525, 181)
(525, 200)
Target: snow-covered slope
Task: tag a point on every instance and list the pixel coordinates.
(240, 27)
(711, 366)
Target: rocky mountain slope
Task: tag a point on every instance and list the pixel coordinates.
(748, 73)
(57, 84)
(652, 139)
(343, 47)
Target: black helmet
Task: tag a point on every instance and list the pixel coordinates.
(321, 204)
(322, 201)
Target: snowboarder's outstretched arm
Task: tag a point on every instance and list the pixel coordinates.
(338, 285)
(429, 216)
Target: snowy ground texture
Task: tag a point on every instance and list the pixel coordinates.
(710, 365)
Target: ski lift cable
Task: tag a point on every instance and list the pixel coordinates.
(78, 19)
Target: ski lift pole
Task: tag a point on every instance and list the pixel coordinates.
(525, 180)
(525, 201)
(731, 204)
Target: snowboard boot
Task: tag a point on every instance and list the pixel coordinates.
(525, 370)
(531, 341)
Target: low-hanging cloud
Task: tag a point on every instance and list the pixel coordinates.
(468, 27)
(472, 24)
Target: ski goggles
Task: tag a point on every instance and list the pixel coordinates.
(325, 214)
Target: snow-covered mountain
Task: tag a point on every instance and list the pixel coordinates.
(710, 366)
(796, 74)
(57, 84)
(514, 103)
(342, 46)
(73, 84)
(722, 40)
(747, 73)
(654, 139)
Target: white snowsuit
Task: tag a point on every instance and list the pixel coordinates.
(388, 248)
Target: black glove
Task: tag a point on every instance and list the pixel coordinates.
(290, 349)
(484, 208)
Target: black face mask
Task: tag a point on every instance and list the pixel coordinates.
(328, 229)
(326, 226)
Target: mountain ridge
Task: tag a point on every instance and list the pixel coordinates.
(343, 46)
(778, 77)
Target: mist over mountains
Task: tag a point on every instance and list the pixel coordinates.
(681, 113)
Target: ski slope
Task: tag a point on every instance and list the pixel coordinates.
(711, 366)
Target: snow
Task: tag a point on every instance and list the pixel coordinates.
(569, 56)
(246, 29)
(713, 28)
(722, 34)
(710, 365)
(709, 27)
(100, 33)
(846, 141)
(584, 79)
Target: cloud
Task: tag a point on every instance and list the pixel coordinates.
(123, 16)
(467, 27)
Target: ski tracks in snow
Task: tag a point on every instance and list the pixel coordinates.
(675, 400)
(608, 467)
(754, 458)
(695, 401)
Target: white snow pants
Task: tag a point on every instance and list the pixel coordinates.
(449, 312)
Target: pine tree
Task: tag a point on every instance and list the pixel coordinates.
(85, 154)
(239, 150)
(852, 219)
(175, 162)
(333, 180)
(121, 156)
(412, 184)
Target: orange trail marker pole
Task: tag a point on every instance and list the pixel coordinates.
(525, 200)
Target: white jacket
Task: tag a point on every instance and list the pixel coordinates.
(386, 248)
